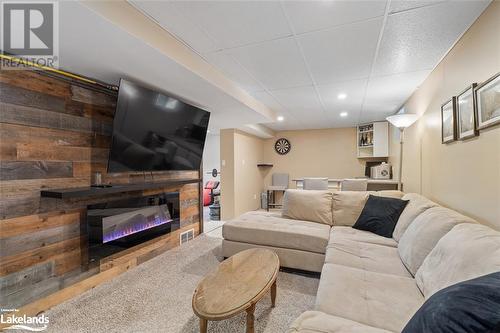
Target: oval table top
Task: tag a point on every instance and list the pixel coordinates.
(237, 282)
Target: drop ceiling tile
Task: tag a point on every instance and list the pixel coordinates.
(233, 70)
(389, 92)
(287, 124)
(302, 102)
(236, 23)
(267, 99)
(315, 123)
(342, 53)
(403, 5)
(354, 90)
(276, 64)
(172, 20)
(308, 16)
(367, 117)
(417, 39)
(310, 119)
(336, 121)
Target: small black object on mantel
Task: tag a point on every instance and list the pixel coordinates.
(101, 185)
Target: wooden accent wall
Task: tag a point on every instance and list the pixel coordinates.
(54, 133)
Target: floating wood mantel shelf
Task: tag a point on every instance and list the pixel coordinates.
(82, 192)
(265, 165)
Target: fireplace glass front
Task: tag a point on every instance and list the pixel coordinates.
(120, 224)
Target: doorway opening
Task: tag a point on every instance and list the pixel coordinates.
(211, 184)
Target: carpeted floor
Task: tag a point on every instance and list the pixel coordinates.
(156, 297)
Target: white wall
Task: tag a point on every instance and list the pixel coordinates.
(328, 153)
(242, 181)
(211, 157)
(463, 175)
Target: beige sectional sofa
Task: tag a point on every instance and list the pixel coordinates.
(368, 283)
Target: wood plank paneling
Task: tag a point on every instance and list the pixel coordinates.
(21, 96)
(55, 133)
(14, 170)
(13, 283)
(33, 223)
(61, 153)
(37, 290)
(12, 134)
(20, 261)
(34, 81)
(31, 116)
(92, 97)
(30, 241)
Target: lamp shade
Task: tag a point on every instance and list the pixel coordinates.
(403, 120)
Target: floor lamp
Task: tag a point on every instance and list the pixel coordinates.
(401, 121)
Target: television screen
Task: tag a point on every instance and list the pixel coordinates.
(153, 131)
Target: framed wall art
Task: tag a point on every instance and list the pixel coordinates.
(488, 102)
(449, 121)
(466, 113)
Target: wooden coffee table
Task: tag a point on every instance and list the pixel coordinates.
(235, 286)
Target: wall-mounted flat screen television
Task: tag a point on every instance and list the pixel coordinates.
(153, 131)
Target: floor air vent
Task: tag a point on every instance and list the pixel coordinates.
(186, 236)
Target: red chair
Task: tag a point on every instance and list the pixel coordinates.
(208, 192)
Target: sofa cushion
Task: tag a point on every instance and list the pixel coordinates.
(348, 233)
(380, 215)
(310, 205)
(416, 205)
(467, 251)
(320, 322)
(374, 299)
(469, 306)
(370, 257)
(423, 234)
(290, 258)
(347, 206)
(255, 228)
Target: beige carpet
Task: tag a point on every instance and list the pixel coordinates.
(156, 297)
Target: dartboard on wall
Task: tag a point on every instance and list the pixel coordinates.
(282, 146)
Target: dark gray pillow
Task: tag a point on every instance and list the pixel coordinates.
(380, 215)
(465, 307)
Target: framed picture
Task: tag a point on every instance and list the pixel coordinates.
(449, 121)
(488, 102)
(466, 113)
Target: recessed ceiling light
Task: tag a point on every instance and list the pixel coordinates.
(341, 96)
(280, 118)
(343, 114)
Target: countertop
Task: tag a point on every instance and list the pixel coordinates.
(370, 180)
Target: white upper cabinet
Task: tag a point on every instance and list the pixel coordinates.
(373, 140)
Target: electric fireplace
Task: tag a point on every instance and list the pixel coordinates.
(117, 225)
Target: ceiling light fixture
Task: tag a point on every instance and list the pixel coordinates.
(280, 118)
(341, 96)
(343, 114)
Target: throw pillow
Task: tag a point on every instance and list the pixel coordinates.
(469, 306)
(380, 215)
(308, 205)
(347, 206)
